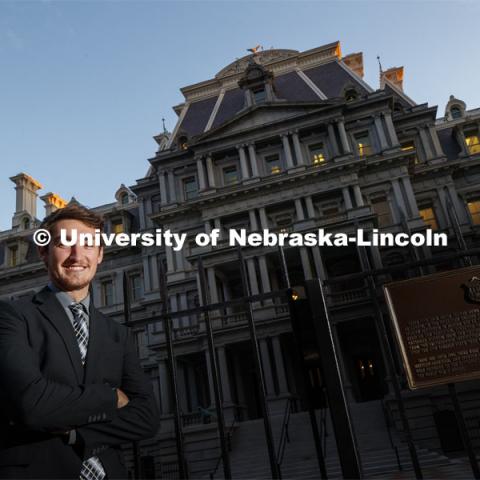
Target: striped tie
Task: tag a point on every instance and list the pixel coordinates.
(92, 468)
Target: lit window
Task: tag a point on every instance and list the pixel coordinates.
(382, 210)
(117, 226)
(259, 95)
(317, 154)
(473, 142)
(273, 164)
(428, 216)
(409, 147)
(230, 175)
(13, 256)
(136, 287)
(190, 188)
(474, 209)
(107, 293)
(351, 94)
(183, 142)
(364, 146)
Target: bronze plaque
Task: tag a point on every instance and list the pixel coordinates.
(437, 324)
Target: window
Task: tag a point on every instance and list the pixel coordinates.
(364, 146)
(259, 95)
(124, 198)
(190, 188)
(409, 146)
(117, 226)
(351, 94)
(473, 142)
(330, 209)
(382, 210)
(317, 153)
(428, 216)
(13, 256)
(230, 175)
(26, 223)
(107, 293)
(273, 163)
(474, 209)
(456, 112)
(183, 142)
(136, 287)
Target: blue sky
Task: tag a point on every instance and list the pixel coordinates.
(85, 84)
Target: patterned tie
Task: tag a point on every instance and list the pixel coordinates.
(92, 468)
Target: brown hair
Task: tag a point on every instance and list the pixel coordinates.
(73, 211)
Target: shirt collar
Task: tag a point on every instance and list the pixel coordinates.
(65, 299)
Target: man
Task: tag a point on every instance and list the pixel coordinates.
(71, 386)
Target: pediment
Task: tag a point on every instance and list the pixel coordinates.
(260, 116)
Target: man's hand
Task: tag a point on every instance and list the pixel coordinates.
(122, 399)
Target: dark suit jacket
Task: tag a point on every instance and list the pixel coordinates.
(44, 390)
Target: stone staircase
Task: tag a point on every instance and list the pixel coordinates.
(249, 457)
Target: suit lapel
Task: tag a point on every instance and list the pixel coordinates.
(97, 332)
(55, 314)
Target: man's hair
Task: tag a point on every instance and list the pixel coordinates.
(73, 211)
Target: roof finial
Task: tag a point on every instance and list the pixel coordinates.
(163, 123)
(379, 64)
(255, 50)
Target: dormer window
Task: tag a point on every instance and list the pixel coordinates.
(456, 112)
(259, 95)
(124, 199)
(26, 223)
(183, 142)
(351, 95)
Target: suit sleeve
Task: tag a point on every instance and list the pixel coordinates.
(139, 419)
(39, 403)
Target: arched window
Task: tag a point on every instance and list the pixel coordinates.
(26, 223)
(456, 112)
(124, 198)
(351, 95)
(183, 142)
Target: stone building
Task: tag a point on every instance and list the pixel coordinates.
(286, 141)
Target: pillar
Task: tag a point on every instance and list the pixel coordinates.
(298, 149)
(287, 150)
(211, 389)
(224, 377)
(164, 382)
(210, 172)
(307, 269)
(267, 367)
(380, 132)
(426, 143)
(252, 276)
(399, 200)
(263, 218)
(170, 262)
(310, 207)
(357, 193)
(253, 159)
(253, 220)
(212, 285)
(333, 139)
(412, 201)
(201, 174)
(264, 277)
(347, 149)
(243, 162)
(163, 189)
(171, 186)
(299, 209)
(436, 142)
(391, 129)
(346, 198)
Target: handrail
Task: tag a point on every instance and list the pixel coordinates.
(388, 425)
(229, 438)
(284, 436)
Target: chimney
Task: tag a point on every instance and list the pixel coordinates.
(52, 202)
(26, 198)
(354, 61)
(394, 76)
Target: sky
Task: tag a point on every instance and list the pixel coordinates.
(84, 85)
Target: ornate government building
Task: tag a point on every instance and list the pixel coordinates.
(289, 141)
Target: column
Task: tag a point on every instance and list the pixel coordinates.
(253, 159)
(210, 172)
(263, 218)
(357, 193)
(264, 277)
(310, 207)
(279, 363)
(253, 220)
(184, 321)
(346, 198)
(299, 209)
(307, 269)
(212, 285)
(391, 129)
(243, 162)
(171, 186)
(412, 201)
(341, 363)
(201, 174)
(211, 389)
(173, 309)
(252, 276)
(267, 367)
(343, 137)
(208, 226)
(436, 142)
(397, 193)
(317, 260)
(425, 143)
(380, 132)
(217, 224)
(164, 381)
(287, 150)
(182, 386)
(146, 273)
(460, 137)
(163, 189)
(170, 262)
(333, 139)
(457, 204)
(298, 149)
(224, 377)
(179, 259)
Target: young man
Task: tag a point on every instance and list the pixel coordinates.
(71, 386)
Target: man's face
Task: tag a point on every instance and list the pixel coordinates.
(71, 268)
